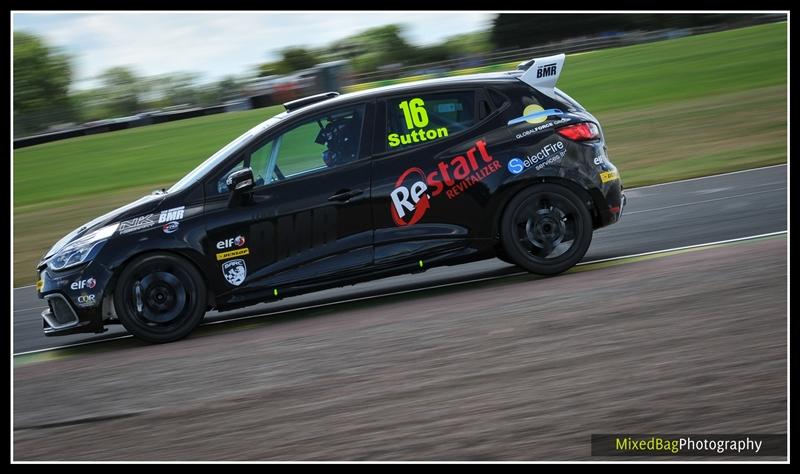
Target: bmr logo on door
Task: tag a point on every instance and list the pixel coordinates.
(174, 214)
(414, 188)
(546, 70)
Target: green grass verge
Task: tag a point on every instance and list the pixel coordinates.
(154, 154)
(670, 110)
(665, 71)
(612, 79)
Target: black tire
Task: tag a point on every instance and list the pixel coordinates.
(502, 256)
(160, 297)
(546, 229)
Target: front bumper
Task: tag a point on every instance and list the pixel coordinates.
(73, 305)
(60, 318)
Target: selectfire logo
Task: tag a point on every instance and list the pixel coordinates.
(414, 189)
(549, 154)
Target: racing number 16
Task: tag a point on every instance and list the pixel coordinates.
(414, 112)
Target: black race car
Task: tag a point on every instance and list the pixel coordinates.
(344, 188)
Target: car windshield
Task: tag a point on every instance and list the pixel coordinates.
(218, 157)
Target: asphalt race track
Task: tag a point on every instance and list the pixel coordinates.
(496, 365)
(657, 217)
(519, 369)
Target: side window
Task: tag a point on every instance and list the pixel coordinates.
(321, 142)
(418, 119)
(325, 141)
(530, 107)
(531, 115)
(259, 161)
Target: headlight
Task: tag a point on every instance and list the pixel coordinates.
(81, 250)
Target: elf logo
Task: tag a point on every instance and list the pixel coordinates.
(546, 70)
(81, 284)
(409, 203)
(228, 243)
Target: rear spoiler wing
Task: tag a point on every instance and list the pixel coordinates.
(542, 73)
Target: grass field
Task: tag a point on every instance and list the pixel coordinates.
(673, 109)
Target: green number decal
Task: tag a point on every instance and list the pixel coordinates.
(414, 112)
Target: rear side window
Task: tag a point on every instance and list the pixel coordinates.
(569, 100)
(498, 98)
(423, 118)
(532, 108)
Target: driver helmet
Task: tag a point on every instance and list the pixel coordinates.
(338, 135)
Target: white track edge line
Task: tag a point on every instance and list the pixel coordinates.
(706, 177)
(631, 189)
(443, 285)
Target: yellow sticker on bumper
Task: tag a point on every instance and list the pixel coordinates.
(609, 176)
(233, 253)
(39, 285)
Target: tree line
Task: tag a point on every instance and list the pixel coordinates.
(43, 75)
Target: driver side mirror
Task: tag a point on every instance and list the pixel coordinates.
(240, 181)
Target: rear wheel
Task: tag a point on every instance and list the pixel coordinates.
(546, 229)
(160, 297)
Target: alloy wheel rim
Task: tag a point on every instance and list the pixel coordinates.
(546, 227)
(160, 297)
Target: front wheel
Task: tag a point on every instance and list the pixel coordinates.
(160, 297)
(546, 229)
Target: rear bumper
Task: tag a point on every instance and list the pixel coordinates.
(610, 204)
(617, 210)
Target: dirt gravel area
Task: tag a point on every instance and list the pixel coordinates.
(517, 369)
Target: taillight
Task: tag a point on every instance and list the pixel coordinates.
(580, 131)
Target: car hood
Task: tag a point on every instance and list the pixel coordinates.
(142, 205)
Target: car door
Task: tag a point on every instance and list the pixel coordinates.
(307, 219)
(428, 173)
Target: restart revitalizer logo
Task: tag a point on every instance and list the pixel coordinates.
(414, 188)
